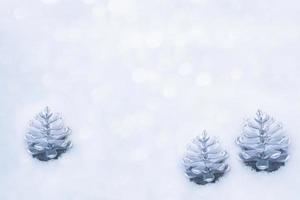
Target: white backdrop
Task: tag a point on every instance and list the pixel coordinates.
(136, 80)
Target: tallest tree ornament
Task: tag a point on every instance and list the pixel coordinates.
(264, 147)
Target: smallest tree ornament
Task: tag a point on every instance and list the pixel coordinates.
(205, 161)
(47, 136)
(264, 147)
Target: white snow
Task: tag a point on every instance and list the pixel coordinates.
(203, 79)
(136, 80)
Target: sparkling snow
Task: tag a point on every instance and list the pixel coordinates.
(136, 80)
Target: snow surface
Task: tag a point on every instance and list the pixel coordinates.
(136, 80)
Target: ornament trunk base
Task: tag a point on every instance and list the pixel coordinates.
(266, 165)
(207, 178)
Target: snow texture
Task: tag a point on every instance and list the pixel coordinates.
(136, 80)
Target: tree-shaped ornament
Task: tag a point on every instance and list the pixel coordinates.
(47, 136)
(205, 161)
(264, 147)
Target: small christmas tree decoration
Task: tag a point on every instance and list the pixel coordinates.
(205, 161)
(47, 137)
(263, 143)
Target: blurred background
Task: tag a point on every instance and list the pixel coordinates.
(136, 80)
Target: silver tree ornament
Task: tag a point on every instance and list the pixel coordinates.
(47, 136)
(205, 161)
(264, 147)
